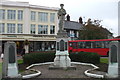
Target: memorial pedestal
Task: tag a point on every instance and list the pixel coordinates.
(12, 70)
(62, 59)
(113, 70)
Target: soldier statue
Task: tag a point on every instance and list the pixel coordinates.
(61, 17)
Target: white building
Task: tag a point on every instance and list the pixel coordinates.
(20, 21)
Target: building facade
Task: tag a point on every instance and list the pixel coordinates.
(72, 28)
(38, 25)
(20, 21)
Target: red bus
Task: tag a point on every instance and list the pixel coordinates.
(100, 46)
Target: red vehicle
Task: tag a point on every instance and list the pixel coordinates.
(100, 46)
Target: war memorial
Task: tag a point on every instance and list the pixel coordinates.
(61, 61)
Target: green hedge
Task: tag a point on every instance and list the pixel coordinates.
(86, 57)
(32, 58)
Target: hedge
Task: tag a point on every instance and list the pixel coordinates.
(86, 57)
(32, 58)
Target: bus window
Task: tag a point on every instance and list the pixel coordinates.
(97, 44)
(106, 44)
(102, 44)
(80, 44)
(70, 44)
(74, 45)
(94, 44)
(88, 44)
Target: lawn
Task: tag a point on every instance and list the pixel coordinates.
(0, 67)
(104, 60)
(19, 62)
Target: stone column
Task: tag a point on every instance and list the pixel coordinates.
(10, 65)
(114, 59)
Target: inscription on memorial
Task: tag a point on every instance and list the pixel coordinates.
(113, 54)
(62, 45)
(66, 45)
(11, 54)
(57, 45)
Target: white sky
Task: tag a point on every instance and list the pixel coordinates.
(106, 10)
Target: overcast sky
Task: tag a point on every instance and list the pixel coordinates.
(105, 10)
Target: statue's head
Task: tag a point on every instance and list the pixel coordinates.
(61, 5)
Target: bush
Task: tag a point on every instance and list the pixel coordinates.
(32, 58)
(86, 57)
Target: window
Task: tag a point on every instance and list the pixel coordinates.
(2, 27)
(33, 16)
(11, 14)
(20, 28)
(10, 28)
(2, 14)
(106, 44)
(42, 29)
(20, 15)
(88, 44)
(81, 44)
(74, 45)
(32, 29)
(52, 29)
(43, 17)
(52, 17)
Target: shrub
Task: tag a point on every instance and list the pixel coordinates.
(32, 58)
(86, 57)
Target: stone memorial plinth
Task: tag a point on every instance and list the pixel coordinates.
(62, 57)
(114, 57)
(10, 66)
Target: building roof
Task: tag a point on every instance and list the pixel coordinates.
(73, 25)
(25, 4)
(117, 37)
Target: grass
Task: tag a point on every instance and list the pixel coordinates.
(104, 60)
(0, 67)
(19, 62)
